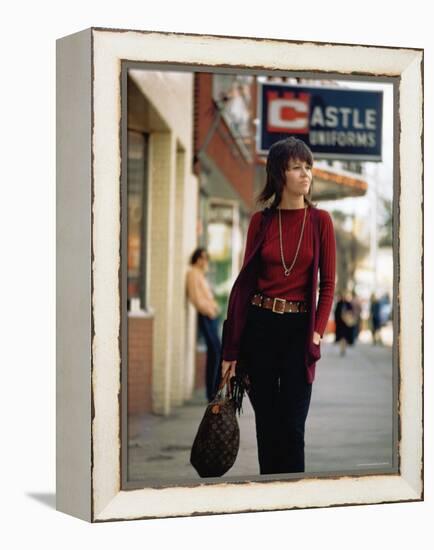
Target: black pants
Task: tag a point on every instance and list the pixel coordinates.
(274, 345)
(209, 330)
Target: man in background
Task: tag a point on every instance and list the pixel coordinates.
(200, 295)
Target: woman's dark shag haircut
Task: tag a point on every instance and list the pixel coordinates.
(279, 155)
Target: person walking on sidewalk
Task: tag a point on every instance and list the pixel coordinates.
(345, 322)
(357, 311)
(375, 319)
(201, 296)
(274, 324)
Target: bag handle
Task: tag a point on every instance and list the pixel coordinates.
(224, 382)
(224, 379)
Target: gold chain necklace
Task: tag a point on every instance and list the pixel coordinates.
(289, 269)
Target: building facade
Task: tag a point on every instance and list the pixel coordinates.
(162, 212)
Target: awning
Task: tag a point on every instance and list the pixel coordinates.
(329, 183)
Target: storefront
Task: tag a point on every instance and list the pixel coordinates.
(162, 211)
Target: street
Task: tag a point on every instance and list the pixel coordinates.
(349, 427)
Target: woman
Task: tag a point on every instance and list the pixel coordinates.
(201, 296)
(274, 324)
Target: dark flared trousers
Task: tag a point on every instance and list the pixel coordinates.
(274, 346)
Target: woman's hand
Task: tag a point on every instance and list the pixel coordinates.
(316, 338)
(228, 365)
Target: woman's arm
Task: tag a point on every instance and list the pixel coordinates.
(252, 231)
(231, 332)
(327, 267)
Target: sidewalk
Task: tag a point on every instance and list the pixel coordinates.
(349, 426)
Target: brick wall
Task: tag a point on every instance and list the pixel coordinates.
(140, 331)
(222, 148)
(199, 380)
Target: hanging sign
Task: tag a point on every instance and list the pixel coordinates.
(336, 123)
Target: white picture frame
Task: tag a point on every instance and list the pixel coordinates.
(89, 157)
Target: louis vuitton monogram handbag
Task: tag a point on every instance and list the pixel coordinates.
(217, 441)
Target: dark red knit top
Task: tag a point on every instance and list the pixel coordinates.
(271, 278)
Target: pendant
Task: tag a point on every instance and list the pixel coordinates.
(287, 272)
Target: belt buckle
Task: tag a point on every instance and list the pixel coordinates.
(274, 305)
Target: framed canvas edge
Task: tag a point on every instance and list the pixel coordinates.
(410, 483)
(73, 275)
(150, 505)
(112, 30)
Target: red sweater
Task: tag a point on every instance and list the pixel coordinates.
(271, 279)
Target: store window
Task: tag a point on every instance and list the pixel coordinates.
(137, 171)
(223, 245)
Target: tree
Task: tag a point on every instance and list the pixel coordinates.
(386, 229)
(350, 251)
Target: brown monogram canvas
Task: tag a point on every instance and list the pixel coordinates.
(217, 441)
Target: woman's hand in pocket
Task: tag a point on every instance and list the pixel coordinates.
(228, 365)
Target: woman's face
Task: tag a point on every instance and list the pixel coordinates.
(298, 177)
